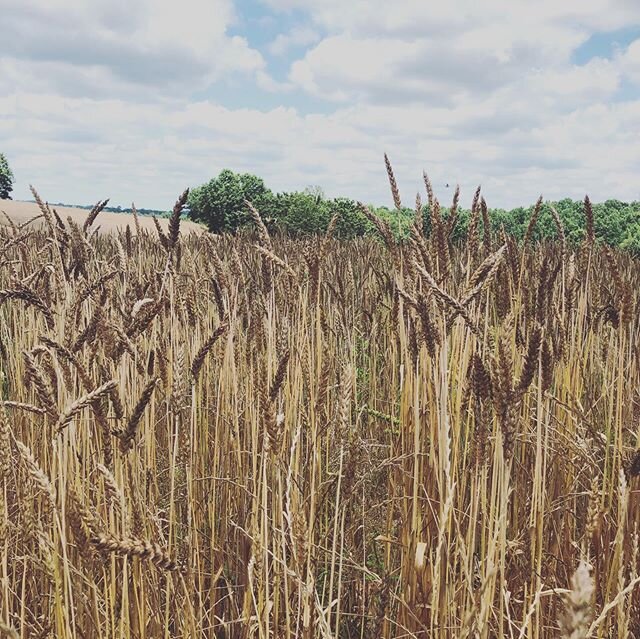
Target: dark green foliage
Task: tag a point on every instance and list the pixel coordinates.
(220, 205)
(351, 223)
(220, 202)
(615, 221)
(309, 214)
(298, 213)
(6, 179)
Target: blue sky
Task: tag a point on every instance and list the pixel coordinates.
(605, 44)
(136, 99)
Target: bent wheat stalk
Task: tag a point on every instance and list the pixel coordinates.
(82, 402)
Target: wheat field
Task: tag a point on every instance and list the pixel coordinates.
(28, 214)
(256, 436)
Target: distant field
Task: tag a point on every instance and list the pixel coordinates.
(21, 212)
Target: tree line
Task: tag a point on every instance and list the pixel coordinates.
(220, 204)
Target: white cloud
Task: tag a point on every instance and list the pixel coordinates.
(101, 148)
(95, 98)
(297, 37)
(406, 17)
(417, 52)
(124, 45)
(266, 82)
(629, 62)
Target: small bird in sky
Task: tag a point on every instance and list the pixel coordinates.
(447, 185)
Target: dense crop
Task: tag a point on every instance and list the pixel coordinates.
(254, 436)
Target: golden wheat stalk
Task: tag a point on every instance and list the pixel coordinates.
(128, 434)
(445, 298)
(36, 473)
(277, 261)
(132, 547)
(198, 360)
(263, 234)
(83, 402)
(392, 182)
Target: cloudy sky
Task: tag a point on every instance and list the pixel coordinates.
(137, 99)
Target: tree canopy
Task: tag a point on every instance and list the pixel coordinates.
(6, 178)
(220, 204)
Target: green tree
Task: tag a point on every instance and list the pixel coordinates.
(6, 178)
(301, 213)
(631, 242)
(220, 203)
(351, 222)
